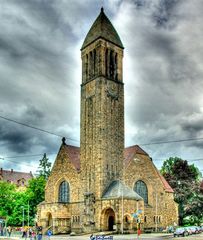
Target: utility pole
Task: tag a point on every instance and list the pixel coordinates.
(122, 214)
(28, 214)
(23, 216)
(156, 212)
(1, 159)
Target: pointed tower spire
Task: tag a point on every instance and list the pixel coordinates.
(102, 28)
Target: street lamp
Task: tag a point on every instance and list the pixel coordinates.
(23, 216)
(123, 178)
(28, 214)
(156, 211)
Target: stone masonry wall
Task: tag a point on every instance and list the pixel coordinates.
(161, 209)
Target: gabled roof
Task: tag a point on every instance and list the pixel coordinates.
(129, 154)
(102, 28)
(117, 189)
(73, 154)
(14, 176)
(167, 187)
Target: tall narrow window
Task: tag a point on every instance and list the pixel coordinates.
(141, 188)
(111, 67)
(116, 67)
(64, 193)
(106, 63)
(86, 66)
(91, 67)
(95, 61)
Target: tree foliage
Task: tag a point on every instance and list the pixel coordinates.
(35, 193)
(7, 197)
(17, 205)
(44, 167)
(185, 181)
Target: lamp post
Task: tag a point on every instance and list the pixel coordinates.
(23, 216)
(28, 214)
(122, 214)
(2, 163)
(124, 169)
(156, 212)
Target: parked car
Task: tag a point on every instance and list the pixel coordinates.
(194, 229)
(199, 229)
(189, 230)
(181, 232)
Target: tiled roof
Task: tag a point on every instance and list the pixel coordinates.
(130, 152)
(102, 28)
(167, 187)
(14, 176)
(74, 155)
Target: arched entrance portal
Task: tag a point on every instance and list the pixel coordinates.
(49, 220)
(108, 219)
(111, 222)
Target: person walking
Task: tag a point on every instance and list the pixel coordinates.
(39, 233)
(49, 233)
(9, 230)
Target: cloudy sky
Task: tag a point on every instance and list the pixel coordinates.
(40, 75)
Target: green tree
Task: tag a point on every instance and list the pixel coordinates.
(19, 213)
(15, 204)
(185, 180)
(7, 198)
(35, 194)
(44, 167)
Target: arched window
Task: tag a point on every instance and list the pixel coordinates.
(141, 188)
(111, 65)
(106, 62)
(64, 192)
(116, 67)
(94, 62)
(91, 67)
(86, 66)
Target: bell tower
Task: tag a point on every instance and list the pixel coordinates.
(102, 107)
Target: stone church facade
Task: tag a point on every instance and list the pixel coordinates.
(103, 186)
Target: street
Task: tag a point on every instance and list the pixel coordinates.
(119, 237)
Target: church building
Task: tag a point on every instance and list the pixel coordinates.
(101, 185)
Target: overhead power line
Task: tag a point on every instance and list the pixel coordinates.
(23, 164)
(24, 156)
(140, 144)
(36, 128)
(189, 160)
(171, 141)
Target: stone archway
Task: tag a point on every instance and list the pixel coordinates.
(108, 219)
(127, 222)
(49, 220)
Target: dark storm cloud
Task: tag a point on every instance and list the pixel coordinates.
(37, 64)
(40, 71)
(165, 13)
(163, 79)
(193, 125)
(16, 140)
